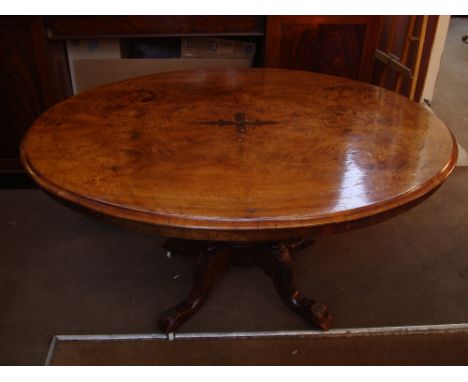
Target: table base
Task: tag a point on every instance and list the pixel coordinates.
(215, 257)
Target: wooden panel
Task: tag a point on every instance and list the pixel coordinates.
(331, 49)
(21, 98)
(33, 77)
(118, 26)
(426, 54)
(338, 45)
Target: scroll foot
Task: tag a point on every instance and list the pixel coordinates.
(211, 263)
(277, 265)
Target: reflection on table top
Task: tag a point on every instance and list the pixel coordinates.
(239, 149)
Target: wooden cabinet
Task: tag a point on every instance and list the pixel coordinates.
(22, 98)
(150, 26)
(30, 83)
(338, 45)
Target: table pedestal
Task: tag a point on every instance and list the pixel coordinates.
(215, 257)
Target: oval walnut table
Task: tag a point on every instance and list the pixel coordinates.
(241, 166)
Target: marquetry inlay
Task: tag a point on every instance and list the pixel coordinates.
(240, 123)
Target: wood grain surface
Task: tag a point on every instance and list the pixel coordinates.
(63, 27)
(337, 45)
(240, 154)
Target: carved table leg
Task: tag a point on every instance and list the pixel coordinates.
(211, 262)
(277, 265)
(214, 258)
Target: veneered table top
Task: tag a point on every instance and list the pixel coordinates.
(240, 154)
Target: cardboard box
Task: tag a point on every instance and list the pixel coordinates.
(93, 72)
(85, 49)
(193, 47)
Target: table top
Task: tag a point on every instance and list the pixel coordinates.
(240, 154)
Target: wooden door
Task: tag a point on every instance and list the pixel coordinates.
(402, 56)
(337, 45)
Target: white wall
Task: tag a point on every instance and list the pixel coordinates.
(435, 58)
